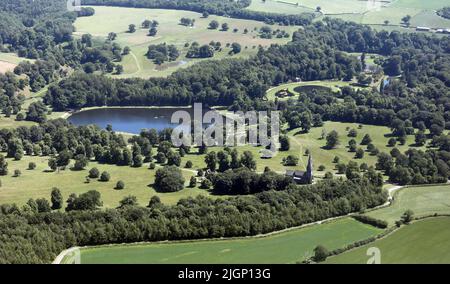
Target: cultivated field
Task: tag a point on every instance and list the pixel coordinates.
(423, 200)
(423, 242)
(365, 12)
(286, 247)
(136, 64)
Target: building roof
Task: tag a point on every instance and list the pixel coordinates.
(294, 174)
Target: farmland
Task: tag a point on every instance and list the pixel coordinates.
(286, 247)
(422, 200)
(136, 64)
(373, 13)
(424, 242)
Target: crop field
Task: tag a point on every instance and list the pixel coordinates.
(422, 242)
(422, 200)
(286, 247)
(136, 64)
(365, 12)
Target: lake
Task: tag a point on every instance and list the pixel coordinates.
(130, 120)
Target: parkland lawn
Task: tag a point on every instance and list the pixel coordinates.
(136, 64)
(423, 13)
(422, 242)
(286, 247)
(38, 183)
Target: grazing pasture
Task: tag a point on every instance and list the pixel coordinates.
(373, 13)
(422, 200)
(136, 64)
(422, 242)
(285, 247)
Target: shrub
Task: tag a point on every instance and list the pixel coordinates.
(188, 165)
(371, 221)
(320, 253)
(94, 173)
(105, 176)
(31, 165)
(120, 185)
(152, 166)
(17, 173)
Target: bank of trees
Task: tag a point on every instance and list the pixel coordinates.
(191, 218)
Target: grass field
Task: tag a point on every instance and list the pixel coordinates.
(286, 247)
(114, 19)
(321, 156)
(423, 242)
(365, 12)
(8, 61)
(423, 200)
(38, 183)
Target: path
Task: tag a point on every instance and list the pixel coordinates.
(61, 256)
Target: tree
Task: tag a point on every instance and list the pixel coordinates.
(248, 161)
(90, 200)
(112, 36)
(320, 253)
(43, 205)
(129, 200)
(132, 28)
(169, 179)
(31, 165)
(284, 143)
(152, 31)
(235, 47)
(290, 160)
(211, 161)
(205, 14)
(173, 158)
(154, 202)
(386, 22)
(105, 176)
(188, 164)
(94, 173)
(3, 166)
(225, 27)
(332, 139)
(407, 217)
(193, 182)
(37, 112)
(352, 133)
(391, 142)
(366, 140)
(120, 185)
(406, 20)
(119, 69)
(213, 25)
(17, 173)
(146, 24)
(80, 162)
(56, 198)
(359, 153)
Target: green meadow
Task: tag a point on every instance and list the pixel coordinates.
(286, 247)
(422, 200)
(136, 64)
(422, 242)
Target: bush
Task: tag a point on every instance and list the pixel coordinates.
(120, 185)
(321, 168)
(152, 166)
(31, 165)
(17, 173)
(206, 184)
(105, 176)
(371, 221)
(188, 165)
(320, 253)
(94, 173)
(193, 182)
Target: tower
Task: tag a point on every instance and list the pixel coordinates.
(309, 171)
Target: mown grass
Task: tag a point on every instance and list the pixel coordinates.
(38, 183)
(115, 19)
(286, 247)
(423, 242)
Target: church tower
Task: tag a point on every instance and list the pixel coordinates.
(309, 171)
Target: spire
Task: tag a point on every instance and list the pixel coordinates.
(309, 170)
